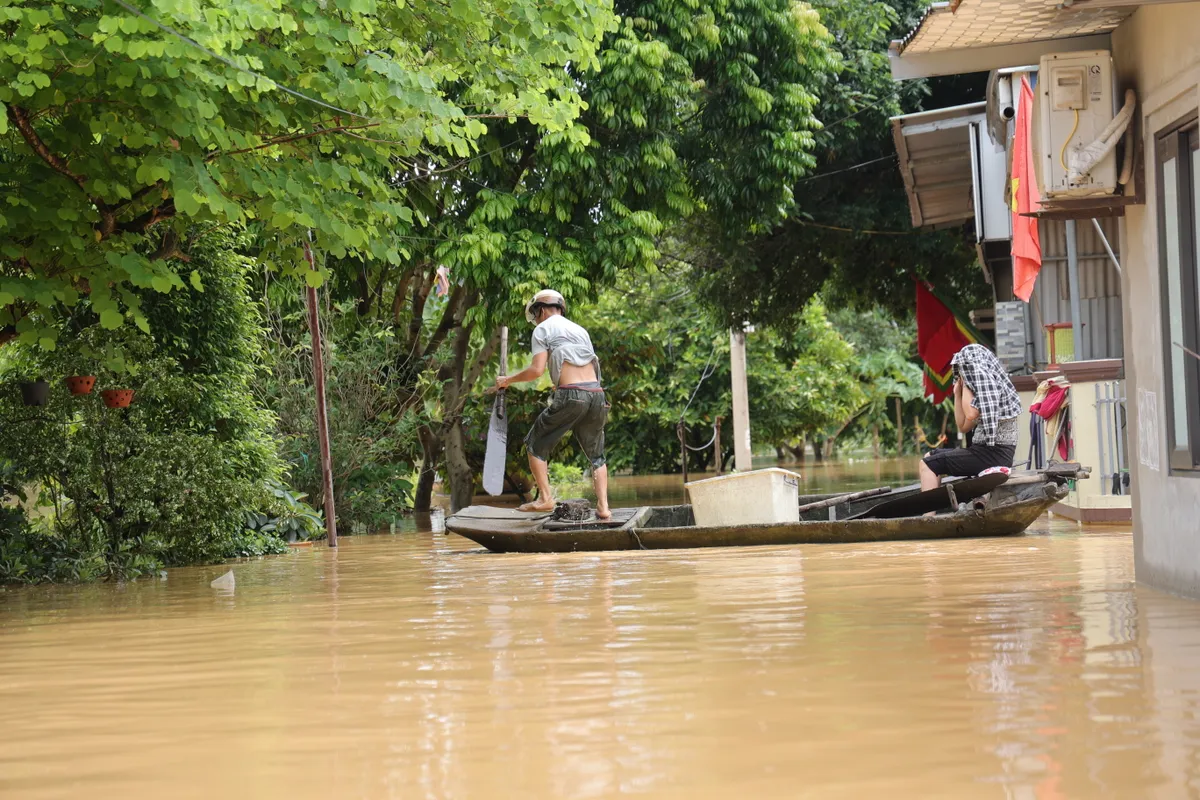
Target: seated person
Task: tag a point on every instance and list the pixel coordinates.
(986, 406)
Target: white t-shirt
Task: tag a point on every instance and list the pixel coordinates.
(566, 342)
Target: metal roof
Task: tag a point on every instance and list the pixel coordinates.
(935, 161)
(977, 35)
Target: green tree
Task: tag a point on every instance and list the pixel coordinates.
(669, 358)
(674, 86)
(888, 370)
(126, 132)
(171, 479)
(849, 234)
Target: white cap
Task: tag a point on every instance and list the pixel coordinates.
(547, 297)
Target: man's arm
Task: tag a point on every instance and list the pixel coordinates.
(966, 415)
(531, 373)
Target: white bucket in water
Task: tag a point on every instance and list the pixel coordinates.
(746, 498)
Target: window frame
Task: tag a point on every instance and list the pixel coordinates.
(1179, 141)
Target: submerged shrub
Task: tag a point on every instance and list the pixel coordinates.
(173, 478)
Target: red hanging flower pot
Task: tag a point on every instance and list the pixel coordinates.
(117, 398)
(81, 384)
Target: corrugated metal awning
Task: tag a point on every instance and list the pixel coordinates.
(978, 35)
(935, 161)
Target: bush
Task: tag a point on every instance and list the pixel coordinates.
(170, 480)
(373, 440)
(567, 480)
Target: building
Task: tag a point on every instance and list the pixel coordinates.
(1155, 52)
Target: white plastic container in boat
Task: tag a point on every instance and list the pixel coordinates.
(746, 498)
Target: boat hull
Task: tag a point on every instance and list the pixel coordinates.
(512, 533)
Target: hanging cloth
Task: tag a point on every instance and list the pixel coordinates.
(1026, 243)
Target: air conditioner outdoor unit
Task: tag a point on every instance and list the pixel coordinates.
(1075, 110)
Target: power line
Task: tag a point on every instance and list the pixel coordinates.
(859, 230)
(847, 169)
(877, 103)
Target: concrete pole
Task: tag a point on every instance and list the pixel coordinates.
(1082, 350)
(741, 401)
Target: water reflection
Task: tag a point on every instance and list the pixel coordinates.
(418, 666)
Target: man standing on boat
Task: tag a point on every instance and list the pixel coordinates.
(578, 404)
(987, 405)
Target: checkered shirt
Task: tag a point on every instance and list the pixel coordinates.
(995, 396)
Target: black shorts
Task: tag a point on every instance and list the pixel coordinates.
(969, 462)
(572, 410)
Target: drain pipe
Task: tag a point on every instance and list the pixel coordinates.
(1107, 247)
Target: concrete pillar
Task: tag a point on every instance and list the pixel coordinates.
(741, 401)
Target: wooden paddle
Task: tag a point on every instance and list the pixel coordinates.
(497, 441)
(844, 498)
(944, 497)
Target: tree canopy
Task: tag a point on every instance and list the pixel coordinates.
(849, 233)
(125, 132)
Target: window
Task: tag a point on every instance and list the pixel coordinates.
(1178, 163)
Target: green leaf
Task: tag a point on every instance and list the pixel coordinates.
(111, 319)
(195, 281)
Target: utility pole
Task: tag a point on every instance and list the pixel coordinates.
(318, 357)
(741, 401)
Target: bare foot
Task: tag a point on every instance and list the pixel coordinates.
(537, 505)
(603, 513)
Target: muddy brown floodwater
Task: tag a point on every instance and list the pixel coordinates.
(419, 666)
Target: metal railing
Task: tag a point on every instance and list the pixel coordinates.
(1111, 426)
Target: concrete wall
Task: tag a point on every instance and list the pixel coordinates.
(1157, 53)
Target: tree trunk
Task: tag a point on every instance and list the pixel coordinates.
(458, 471)
(899, 430)
(780, 455)
(818, 450)
(431, 449)
(459, 474)
(798, 451)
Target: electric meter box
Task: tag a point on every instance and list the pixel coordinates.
(1075, 102)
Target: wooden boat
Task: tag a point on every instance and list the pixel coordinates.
(1009, 509)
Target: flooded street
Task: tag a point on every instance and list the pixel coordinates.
(420, 666)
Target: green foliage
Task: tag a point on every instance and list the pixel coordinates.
(372, 417)
(674, 87)
(850, 233)
(171, 479)
(667, 358)
(288, 517)
(567, 480)
(31, 555)
(119, 134)
(804, 384)
(888, 369)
